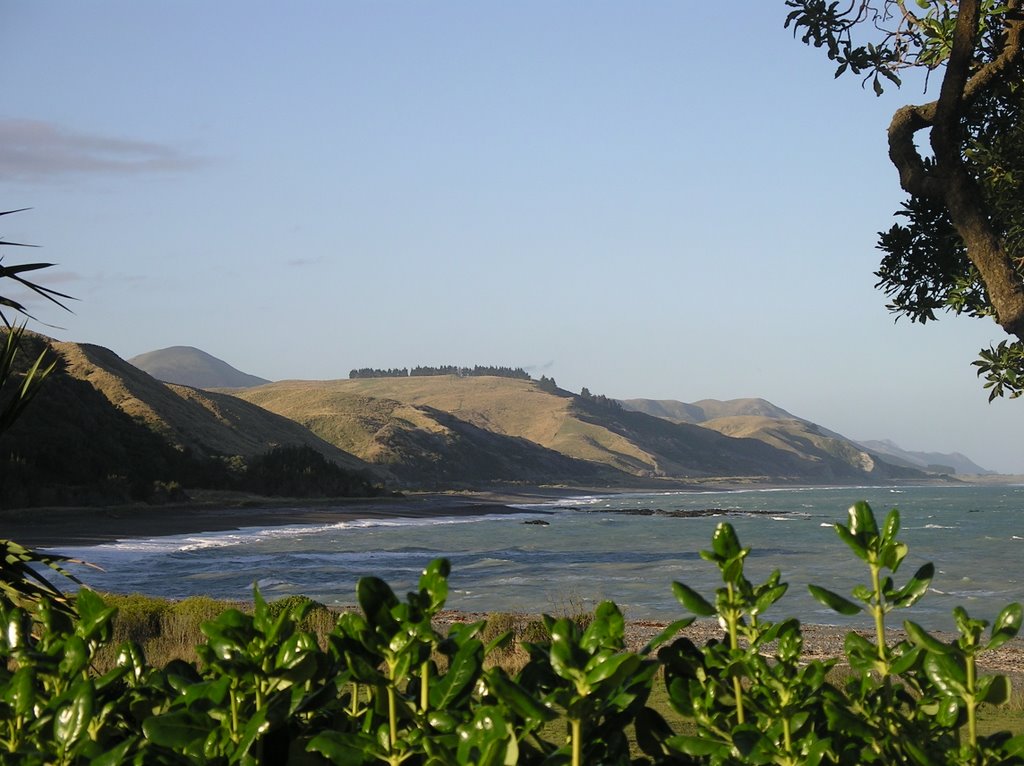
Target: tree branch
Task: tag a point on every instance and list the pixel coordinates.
(950, 180)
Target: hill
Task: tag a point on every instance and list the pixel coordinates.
(951, 462)
(379, 419)
(706, 409)
(760, 419)
(189, 366)
(103, 430)
(798, 437)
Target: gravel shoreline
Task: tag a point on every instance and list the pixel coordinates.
(821, 642)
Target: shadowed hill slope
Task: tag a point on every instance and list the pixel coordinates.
(205, 422)
(101, 428)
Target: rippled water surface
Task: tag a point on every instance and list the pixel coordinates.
(625, 547)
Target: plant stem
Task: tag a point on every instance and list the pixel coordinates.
(424, 685)
(234, 709)
(577, 741)
(878, 613)
(734, 644)
(392, 717)
(972, 704)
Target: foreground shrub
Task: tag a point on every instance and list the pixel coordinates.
(386, 687)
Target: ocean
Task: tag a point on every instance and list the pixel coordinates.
(628, 548)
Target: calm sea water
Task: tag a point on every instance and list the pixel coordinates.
(598, 547)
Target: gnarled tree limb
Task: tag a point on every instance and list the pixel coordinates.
(949, 178)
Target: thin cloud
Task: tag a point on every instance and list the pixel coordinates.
(32, 150)
(306, 261)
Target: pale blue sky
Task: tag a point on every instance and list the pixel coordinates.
(664, 200)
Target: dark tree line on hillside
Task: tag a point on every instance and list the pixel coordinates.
(368, 372)
(449, 369)
(600, 400)
(547, 384)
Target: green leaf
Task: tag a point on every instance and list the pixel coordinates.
(1014, 746)
(692, 600)
(72, 720)
(893, 554)
(948, 713)
(464, 668)
(20, 693)
(924, 639)
(998, 691)
(343, 749)
(606, 630)
(725, 542)
(1006, 626)
(947, 672)
(376, 599)
(517, 699)
(177, 729)
(916, 587)
(667, 634)
(117, 756)
(94, 616)
(697, 746)
(891, 528)
(75, 656)
(834, 601)
(254, 729)
(605, 669)
(862, 521)
(770, 596)
(851, 540)
(434, 583)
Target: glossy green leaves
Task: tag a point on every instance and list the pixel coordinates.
(390, 687)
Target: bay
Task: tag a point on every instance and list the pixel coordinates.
(626, 547)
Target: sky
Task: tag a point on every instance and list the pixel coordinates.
(667, 200)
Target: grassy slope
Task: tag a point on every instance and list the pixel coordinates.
(375, 418)
(798, 437)
(205, 422)
(406, 425)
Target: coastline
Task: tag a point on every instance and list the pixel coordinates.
(222, 511)
(213, 512)
(219, 512)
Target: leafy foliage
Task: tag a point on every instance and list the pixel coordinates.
(959, 245)
(389, 688)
